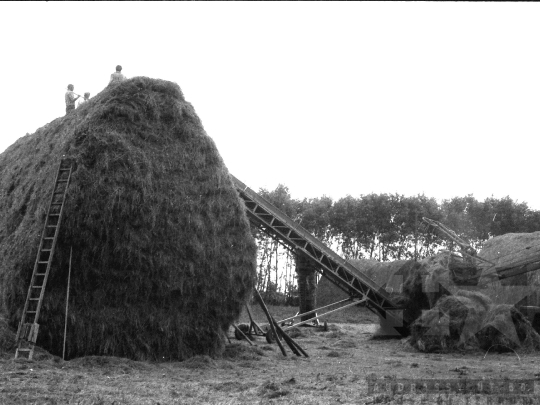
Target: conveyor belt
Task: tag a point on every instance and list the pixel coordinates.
(332, 266)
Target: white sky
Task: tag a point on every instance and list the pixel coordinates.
(328, 98)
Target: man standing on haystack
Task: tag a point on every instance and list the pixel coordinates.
(117, 76)
(84, 100)
(70, 98)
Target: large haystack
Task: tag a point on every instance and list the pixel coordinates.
(7, 338)
(163, 258)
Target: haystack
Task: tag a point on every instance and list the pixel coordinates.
(511, 248)
(163, 258)
(514, 251)
(451, 324)
(516, 257)
(505, 328)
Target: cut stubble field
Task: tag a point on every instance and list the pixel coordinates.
(340, 361)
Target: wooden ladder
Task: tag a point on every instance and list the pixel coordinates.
(28, 327)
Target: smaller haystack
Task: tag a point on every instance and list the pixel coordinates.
(504, 328)
(451, 324)
(514, 251)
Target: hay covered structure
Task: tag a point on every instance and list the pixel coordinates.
(452, 305)
(163, 258)
(487, 308)
(469, 320)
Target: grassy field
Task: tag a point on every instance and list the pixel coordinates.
(341, 361)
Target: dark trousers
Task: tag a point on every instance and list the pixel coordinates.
(69, 108)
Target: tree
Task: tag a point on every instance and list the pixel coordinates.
(315, 217)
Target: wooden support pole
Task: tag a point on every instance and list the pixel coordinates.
(286, 338)
(67, 304)
(290, 341)
(243, 334)
(271, 320)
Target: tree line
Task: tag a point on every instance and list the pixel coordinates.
(383, 227)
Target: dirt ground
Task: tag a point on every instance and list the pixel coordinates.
(341, 361)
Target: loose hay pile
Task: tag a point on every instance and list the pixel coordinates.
(468, 320)
(451, 324)
(163, 258)
(446, 317)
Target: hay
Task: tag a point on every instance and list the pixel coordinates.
(505, 328)
(469, 320)
(238, 351)
(510, 250)
(451, 324)
(7, 338)
(163, 259)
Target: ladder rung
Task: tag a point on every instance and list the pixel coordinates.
(48, 238)
(40, 274)
(34, 299)
(24, 349)
(51, 226)
(62, 181)
(43, 262)
(46, 250)
(37, 286)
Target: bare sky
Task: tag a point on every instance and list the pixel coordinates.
(328, 98)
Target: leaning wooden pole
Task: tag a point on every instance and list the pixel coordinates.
(242, 334)
(67, 304)
(286, 338)
(295, 347)
(270, 320)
